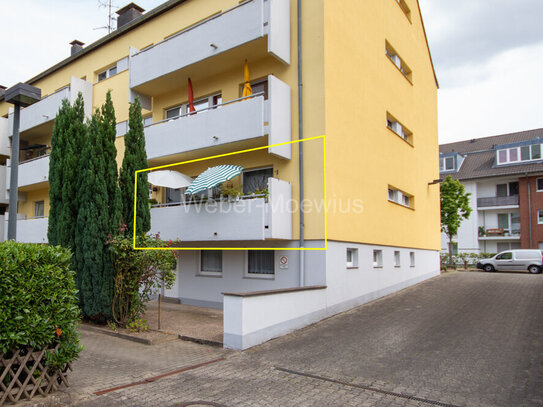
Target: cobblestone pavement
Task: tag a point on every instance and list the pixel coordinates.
(464, 339)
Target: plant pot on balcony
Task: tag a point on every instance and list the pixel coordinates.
(24, 373)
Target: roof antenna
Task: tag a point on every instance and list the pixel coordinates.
(110, 19)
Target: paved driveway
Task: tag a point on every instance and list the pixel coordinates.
(463, 339)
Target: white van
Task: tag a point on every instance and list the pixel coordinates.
(514, 260)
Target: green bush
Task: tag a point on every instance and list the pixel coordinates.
(38, 303)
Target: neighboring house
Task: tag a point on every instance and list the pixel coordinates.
(504, 175)
(368, 85)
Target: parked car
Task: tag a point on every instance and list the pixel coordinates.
(514, 260)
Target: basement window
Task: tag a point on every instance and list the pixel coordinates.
(397, 258)
(352, 258)
(377, 258)
(411, 259)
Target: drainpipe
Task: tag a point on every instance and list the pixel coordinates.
(529, 208)
(301, 144)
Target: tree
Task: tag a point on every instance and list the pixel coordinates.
(92, 224)
(66, 142)
(108, 124)
(135, 158)
(454, 208)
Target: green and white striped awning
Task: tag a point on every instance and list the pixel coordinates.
(212, 177)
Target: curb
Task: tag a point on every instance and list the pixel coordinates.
(201, 341)
(145, 341)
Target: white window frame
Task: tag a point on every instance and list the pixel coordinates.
(109, 72)
(399, 197)
(38, 204)
(540, 217)
(207, 273)
(351, 263)
(184, 107)
(246, 273)
(377, 262)
(393, 56)
(397, 258)
(537, 185)
(399, 129)
(519, 159)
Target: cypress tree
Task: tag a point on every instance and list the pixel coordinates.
(66, 143)
(135, 158)
(62, 122)
(110, 155)
(92, 224)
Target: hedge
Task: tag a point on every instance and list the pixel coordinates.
(38, 300)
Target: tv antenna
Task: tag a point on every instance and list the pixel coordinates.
(110, 18)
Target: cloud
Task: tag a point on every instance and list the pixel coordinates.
(467, 32)
(507, 97)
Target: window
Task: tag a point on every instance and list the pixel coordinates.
(405, 8)
(515, 223)
(256, 180)
(261, 263)
(509, 222)
(519, 154)
(259, 86)
(399, 129)
(539, 184)
(352, 258)
(540, 217)
(148, 120)
(377, 258)
(411, 259)
(199, 104)
(107, 73)
(505, 256)
(513, 188)
(501, 190)
(503, 221)
(507, 189)
(503, 246)
(39, 209)
(210, 262)
(446, 164)
(396, 60)
(397, 258)
(399, 197)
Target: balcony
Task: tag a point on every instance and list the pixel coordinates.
(31, 230)
(33, 173)
(496, 202)
(249, 218)
(4, 199)
(250, 118)
(37, 119)
(243, 27)
(4, 138)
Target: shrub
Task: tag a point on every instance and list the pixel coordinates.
(38, 303)
(138, 274)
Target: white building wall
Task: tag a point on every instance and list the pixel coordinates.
(251, 320)
(468, 232)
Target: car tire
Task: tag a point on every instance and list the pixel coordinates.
(533, 269)
(489, 268)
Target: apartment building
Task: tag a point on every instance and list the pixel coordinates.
(360, 73)
(505, 178)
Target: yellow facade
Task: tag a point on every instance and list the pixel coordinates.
(349, 85)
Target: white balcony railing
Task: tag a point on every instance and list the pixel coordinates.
(46, 109)
(3, 190)
(31, 230)
(31, 172)
(243, 119)
(225, 31)
(4, 137)
(249, 218)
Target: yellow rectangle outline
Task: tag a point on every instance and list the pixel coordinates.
(323, 137)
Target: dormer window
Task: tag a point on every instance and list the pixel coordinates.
(446, 164)
(515, 155)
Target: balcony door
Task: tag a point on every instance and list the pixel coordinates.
(256, 180)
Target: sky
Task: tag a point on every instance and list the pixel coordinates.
(487, 54)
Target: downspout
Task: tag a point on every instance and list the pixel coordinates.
(529, 208)
(301, 145)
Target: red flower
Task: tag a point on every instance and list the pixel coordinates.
(59, 331)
